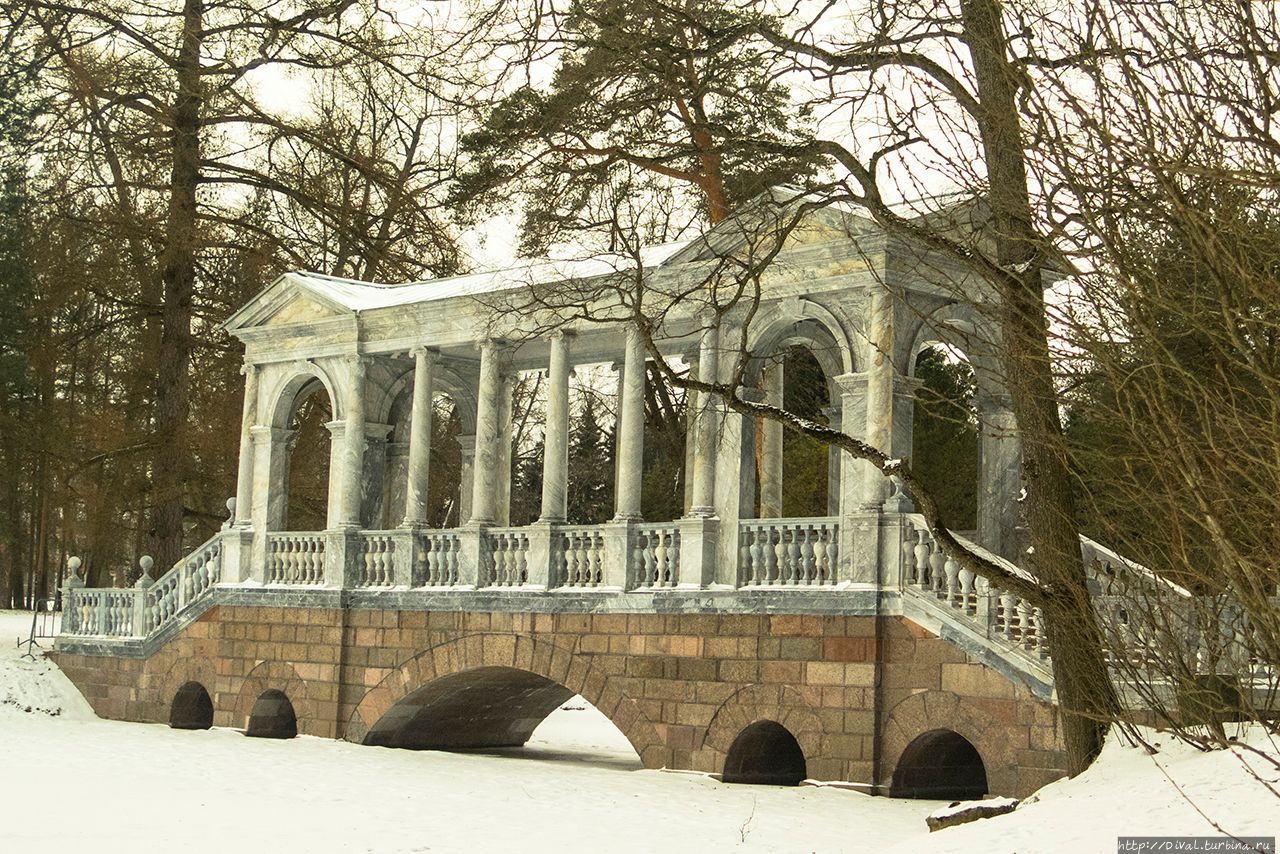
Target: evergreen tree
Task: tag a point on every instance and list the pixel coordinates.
(945, 437)
(637, 90)
(590, 494)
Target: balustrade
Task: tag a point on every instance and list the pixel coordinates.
(788, 552)
(579, 558)
(295, 558)
(186, 582)
(506, 557)
(992, 611)
(437, 558)
(376, 567)
(655, 560)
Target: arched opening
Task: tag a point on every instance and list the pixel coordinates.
(765, 754)
(304, 454)
(272, 717)
(940, 765)
(944, 433)
(806, 462)
(192, 708)
(795, 476)
(489, 708)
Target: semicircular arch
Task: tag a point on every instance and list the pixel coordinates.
(928, 711)
(576, 672)
(279, 676)
(751, 704)
(285, 392)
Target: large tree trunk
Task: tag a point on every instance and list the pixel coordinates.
(178, 277)
(1086, 696)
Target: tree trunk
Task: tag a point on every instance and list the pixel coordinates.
(1086, 696)
(178, 277)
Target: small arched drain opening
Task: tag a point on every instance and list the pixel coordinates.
(192, 708)
(765, 754)
(272, 717)
(940, 765)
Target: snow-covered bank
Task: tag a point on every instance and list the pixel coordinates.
(78, 783)
(1179, 791)
(84, 784)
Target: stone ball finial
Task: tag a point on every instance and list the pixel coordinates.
(231, 506)
(145, 580)
(73, 565)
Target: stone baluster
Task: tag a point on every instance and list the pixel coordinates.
(952, 570)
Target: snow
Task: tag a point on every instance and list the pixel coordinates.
(1127, 792)
(80, 783)
(363, 296)
(85, 784)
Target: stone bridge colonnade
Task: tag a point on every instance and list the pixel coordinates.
(382, 353)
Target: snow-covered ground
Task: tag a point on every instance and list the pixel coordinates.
(72, 782)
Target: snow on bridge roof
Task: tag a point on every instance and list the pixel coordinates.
(363, 296)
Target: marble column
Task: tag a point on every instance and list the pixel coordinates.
(771, 473)
(690, 433)
(999, 477)
(417, 481)
(902, 435)
(484, 487)
(704, 454)
(555, 444)
(502, 490)
(466, 476)
(270, 492)
(337, 471)
(244, 474)
(373, 476)
(627, 488)
(355, 442)
(834, 463)
(879, 395)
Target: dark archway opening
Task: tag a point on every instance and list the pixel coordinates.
(765, 754)
(940, 765)
(272, 717)
(192, 708)
(306, 504)
(482, 708)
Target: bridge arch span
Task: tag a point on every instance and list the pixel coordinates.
(530, 676)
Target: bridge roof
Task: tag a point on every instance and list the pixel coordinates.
(354, 295)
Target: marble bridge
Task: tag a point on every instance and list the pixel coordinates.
(731, 640)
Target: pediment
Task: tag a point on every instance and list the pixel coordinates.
(299, 308)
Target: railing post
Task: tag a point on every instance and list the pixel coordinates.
(471, 549)
(544, 537)
(237, 556)
(141, 592)
(698, 539)
(616, 554)
(403, 557)
(341, 551)
(70, 588)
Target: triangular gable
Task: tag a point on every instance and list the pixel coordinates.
(820, 225)
(288, 300)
